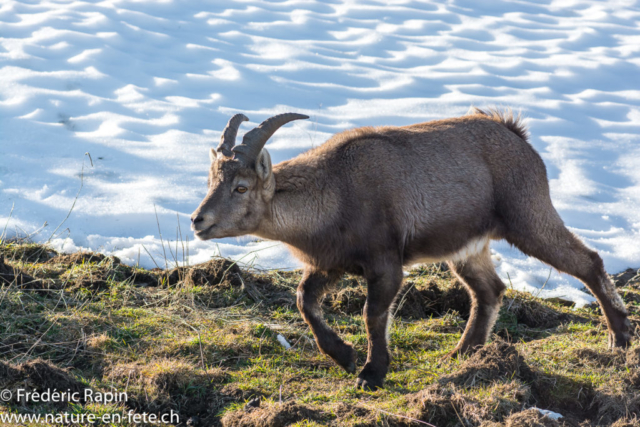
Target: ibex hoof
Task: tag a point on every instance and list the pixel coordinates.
(368, 384)
(620, 340)
(370, 379)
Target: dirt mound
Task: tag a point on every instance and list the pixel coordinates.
(442, 299)
(271, 293)
(221, 283)
(167, 384)
(414, 301)
(629, 277)
(87, 271)
(507, 381)
(356, 416)
(447, 404)
(528, 418)
(214, 272)
(210, 273)
(93, 283)
(266, 414)
(533, 313)
(38, 375)
(26, 252)
(80, 258)
(94, 279)
(420, 301)
(410, 303)
(9, 275)
(615, 402)
(271, 415)
(348, 297)
(492, 362)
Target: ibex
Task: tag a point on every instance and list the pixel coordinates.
(372, 200)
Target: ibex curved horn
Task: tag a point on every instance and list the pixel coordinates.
(255, 139)
(228, 138)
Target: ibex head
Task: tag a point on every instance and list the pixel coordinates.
(241, 182)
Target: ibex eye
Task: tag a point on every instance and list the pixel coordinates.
(241, 189)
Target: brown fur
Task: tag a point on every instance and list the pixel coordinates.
(372, 200)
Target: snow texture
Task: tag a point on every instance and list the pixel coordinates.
(145, 87)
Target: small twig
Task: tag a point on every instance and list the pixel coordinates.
(204, 368)
(75, 352)
(545, 283)
(456, 411)
(126, 387)
(399, 306)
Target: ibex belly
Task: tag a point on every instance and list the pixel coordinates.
(472, 247)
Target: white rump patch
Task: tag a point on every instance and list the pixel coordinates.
(473, 247)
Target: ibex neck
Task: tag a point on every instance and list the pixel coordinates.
(298, 209)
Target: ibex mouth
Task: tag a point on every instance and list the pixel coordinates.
(201, 234)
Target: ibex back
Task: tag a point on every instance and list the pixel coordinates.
(372, 200)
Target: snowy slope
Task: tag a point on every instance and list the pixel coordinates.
(146, 87)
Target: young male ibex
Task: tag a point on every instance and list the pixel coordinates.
(372, 200)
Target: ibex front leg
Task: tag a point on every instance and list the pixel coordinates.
(312, 287)
(383, 286)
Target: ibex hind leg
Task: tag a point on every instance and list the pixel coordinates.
(311, 288)
(486, 291)
(545, 237)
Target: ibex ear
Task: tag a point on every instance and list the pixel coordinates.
(263, 165)
(213, 155)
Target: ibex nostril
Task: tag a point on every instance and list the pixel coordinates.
(197, 219)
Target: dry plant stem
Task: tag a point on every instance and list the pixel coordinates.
(73, 205)
(161, 240)
(4, 231)
(151, 256)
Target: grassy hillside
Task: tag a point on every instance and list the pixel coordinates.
(203, 342)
